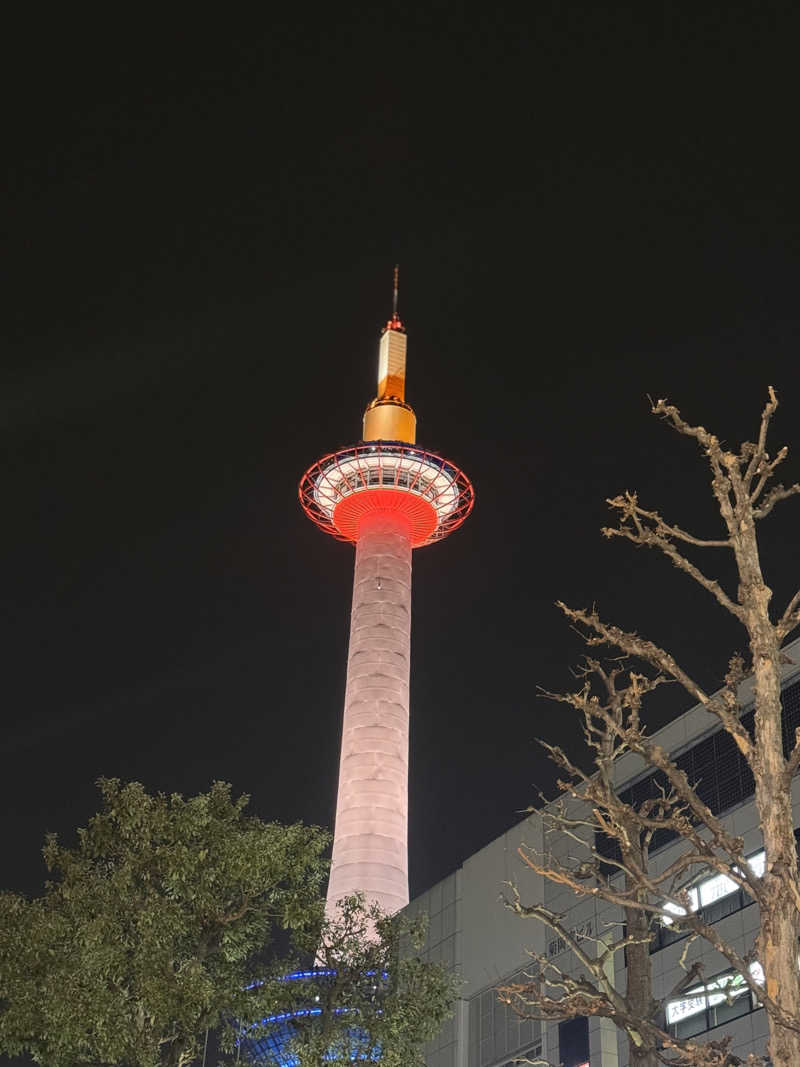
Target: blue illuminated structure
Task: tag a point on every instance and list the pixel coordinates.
(273, 1046)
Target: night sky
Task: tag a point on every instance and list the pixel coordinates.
(590, 203)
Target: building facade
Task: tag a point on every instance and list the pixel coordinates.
(471, 932)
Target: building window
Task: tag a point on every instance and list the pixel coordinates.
(714, 898)
(573, 1042)
(725, 997)
(498, 1037)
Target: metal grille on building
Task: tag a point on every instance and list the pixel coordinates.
(714, 766)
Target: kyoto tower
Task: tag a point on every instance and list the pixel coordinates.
(386, 496)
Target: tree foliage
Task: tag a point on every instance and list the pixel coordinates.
(174, 916)
(153, 927)
(379, 999)
(610, 700)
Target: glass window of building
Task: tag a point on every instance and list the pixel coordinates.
(573, 1042)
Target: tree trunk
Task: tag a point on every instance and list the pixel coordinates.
(777, 944)
(639, 992)
(777, 941)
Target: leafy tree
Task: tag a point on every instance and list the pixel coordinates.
(153, 927)
(610, 700)
(174, 917)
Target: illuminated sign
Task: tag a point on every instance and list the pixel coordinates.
(715, 888)
(725, 988)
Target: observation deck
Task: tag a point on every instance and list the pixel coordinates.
(430, 493)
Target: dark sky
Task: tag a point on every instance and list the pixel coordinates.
(590, 203)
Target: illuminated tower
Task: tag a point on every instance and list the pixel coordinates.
(386, 496)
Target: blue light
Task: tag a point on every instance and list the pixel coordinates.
(272, 1049)
(307, 974)
(296, 976)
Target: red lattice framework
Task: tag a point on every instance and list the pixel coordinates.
(433, 496)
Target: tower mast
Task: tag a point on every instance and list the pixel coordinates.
(386, 496)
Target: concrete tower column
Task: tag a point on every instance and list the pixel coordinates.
(370, 852)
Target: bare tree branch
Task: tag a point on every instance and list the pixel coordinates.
(633, 645)
(627, 503)
(773, 497)
(659, 538)
(790, 618)
(759, 450)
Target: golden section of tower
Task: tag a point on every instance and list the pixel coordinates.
(392, 365)
(388, 417)
(390, 420)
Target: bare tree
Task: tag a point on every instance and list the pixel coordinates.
(610, 699)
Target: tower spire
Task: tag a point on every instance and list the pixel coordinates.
(394, 322)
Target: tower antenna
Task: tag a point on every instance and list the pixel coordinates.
(395, 291)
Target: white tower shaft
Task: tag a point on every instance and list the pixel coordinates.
(370, 849)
